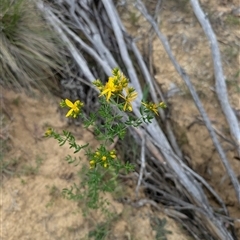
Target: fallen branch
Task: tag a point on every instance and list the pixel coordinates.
(143, 165)
(220, 83)
(196, 99)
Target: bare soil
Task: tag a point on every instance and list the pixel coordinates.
(32, 206)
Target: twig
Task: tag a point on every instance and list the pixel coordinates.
(107, 69)
(143, 165)
(76, 55)
(154, 151)
(209, 188)
(221, 88)
(157, 9)
(189, 229)
(220, 134)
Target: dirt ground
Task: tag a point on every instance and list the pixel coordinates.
(31, 203)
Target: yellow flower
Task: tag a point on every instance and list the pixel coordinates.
(116, 83)
(105, 165)
(104, 158)
(110, 88)
(131, 95)
(98, 84)
(48, 132)
(154, 107)
(74, 108)
(92, 164)
(97, 153)
(162, 105)
(122, 81)
(113, 154)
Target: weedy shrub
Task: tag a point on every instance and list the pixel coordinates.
(159, 225)
(100, 232)
(232, 20)
(115, 99)
(28, 49)
(6, 167)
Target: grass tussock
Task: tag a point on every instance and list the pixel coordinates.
(29, 52)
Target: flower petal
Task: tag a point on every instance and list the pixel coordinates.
(69, 103)
(130, 107)
(109, 95)
(125, 106)
(69, 113)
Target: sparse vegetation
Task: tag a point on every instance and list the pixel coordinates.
(6, 167)
(29, 168)
(100, 232)
(54, 193)
(233, 83)
(159, 225)
(230, 54)
(182, 5)
(16, 101)
(134, 18)
(232, 20)
(29, 50)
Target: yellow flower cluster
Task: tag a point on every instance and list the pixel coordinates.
(117, 85)
(153, 107)
(128, 98)
(75, 107)
(48, 132)
(103, 159)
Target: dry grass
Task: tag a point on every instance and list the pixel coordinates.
(29, 50)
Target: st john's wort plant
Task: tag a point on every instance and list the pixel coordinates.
(104, 164)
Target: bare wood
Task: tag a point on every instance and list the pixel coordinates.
(76, 55)
(122, 46)
(197, 101)
(149, 81)
(220, 83)
(143, 164)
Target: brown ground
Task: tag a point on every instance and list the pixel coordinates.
(31, 203)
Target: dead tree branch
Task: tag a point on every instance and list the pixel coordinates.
(196, 99)
(220, 83)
